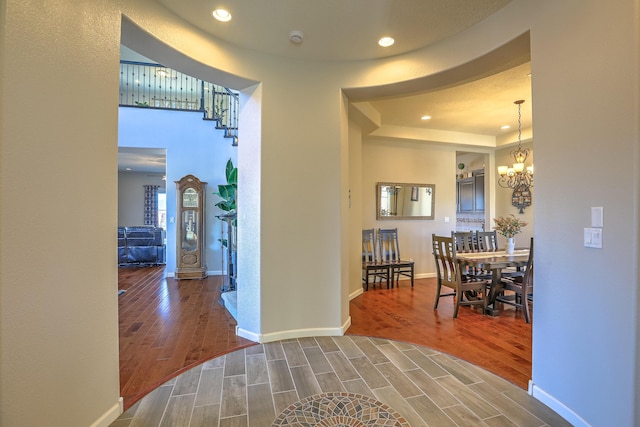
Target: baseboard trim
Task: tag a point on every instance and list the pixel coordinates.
(111, 415)
(557, 406)
(293, 333)
(355, 294)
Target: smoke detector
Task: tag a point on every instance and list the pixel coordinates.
(296, 36)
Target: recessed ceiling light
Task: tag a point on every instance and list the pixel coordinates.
(425, 118)
(386, 41)
(505, 127)
(222, 15)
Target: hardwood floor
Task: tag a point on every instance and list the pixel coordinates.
(168, 326)
(501, 344)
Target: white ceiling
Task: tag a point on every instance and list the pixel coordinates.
(349, 30)
(142, 160)
(334, 29)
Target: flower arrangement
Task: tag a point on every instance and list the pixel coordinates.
(509, 226)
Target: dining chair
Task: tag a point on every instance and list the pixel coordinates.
(487, 241)
(465, 241)
(521, 288)
(448, 274)
(372, 266)
(390, 252)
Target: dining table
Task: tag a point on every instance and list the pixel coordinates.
(495, 262)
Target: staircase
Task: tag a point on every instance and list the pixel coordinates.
(149, 85)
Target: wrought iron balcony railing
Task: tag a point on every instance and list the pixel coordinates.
(146, 85)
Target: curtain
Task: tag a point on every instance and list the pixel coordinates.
(151, 205)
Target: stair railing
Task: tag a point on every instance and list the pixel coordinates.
(148, 85)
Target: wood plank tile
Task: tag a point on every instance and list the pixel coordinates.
(499, 421)
(317, 360)
(536, 407)
(329, 382)
(305, 382)
(369, 373)
(462, 373)
(342, 367)
(327, 344)
(425, 363)
(274, 350)
(281, 401)
(397, 357)
(178, 410)
(239, 421)
(210, 387)
(462, 416)
(398, 380)
(234, 390)
(348, 347)
(257, 369)
(150, 411)
(260, 405)
(429, 386)
(205, 416)
(468, 397)
(430, 411)
(370, 350)
(506, 406)
(280, 376)
(234, 364)
(357, 386)
(294, 354)
(389, 396)
(187, 383)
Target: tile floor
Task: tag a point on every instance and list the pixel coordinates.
(337, 381)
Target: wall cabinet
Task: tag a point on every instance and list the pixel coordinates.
(471, 193)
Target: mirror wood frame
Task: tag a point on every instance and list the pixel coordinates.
(409, 193)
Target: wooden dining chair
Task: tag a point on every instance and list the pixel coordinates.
(465, 241)
(390, 253)
(372, 266)
(448, 274)
(487, 241)
(520, 288)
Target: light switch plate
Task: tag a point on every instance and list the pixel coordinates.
(597, 216)
(593, 238)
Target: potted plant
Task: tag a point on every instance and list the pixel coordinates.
(228, 192)
(509, 226)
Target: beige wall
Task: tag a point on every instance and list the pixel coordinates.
(58, 315)
(58, 186)
(411, 162)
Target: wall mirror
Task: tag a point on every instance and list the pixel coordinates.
(405, 201)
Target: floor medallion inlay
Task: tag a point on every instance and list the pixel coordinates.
(339, 410)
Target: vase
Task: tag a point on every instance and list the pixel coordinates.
(511, 244)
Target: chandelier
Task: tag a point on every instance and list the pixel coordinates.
(518, 177)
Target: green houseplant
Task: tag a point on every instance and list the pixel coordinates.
(228, 193)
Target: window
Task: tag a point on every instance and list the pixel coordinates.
(162, 210)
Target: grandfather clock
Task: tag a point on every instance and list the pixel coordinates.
(190, 236)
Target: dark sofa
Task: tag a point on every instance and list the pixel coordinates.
(141, 245)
